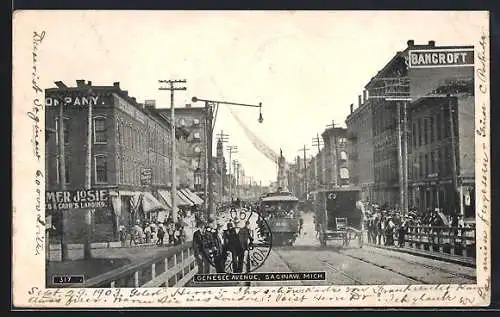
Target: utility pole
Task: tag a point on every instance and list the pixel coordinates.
(319, 158)
(62, 173)
(405, 158)
(453, 156)
(232, 149)
(173, 163)
(304, 151)
(400, 156)
(333, 151)
(223, 138)
(236, 167)
(87, 251)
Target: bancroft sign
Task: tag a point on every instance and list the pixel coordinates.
(77, 199)
(441, 58)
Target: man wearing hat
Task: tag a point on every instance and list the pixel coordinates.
(201, 258)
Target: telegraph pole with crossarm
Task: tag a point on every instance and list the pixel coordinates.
(304, 151)
(173, 163)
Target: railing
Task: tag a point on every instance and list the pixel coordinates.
(173, 268)
(446, 240)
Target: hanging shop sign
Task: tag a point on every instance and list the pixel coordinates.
(77, 199)
(146, 176)
(440, 58)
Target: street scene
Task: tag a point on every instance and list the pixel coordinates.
(180, 173)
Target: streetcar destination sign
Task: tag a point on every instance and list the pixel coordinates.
(77, 199)
(441, 58)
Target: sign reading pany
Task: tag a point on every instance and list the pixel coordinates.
(441, 58)
(72, 101)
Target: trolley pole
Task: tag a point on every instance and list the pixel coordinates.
(453, 156)
(232, 149)
(400, 157)
(405, 158)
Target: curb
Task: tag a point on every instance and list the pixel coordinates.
(434, 256)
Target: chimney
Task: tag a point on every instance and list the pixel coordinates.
(80, 83)
(125, 92)
(410, 43)
(135, 100)
(351, 107)
(89, 83)
(60, 84)
(116, 84)
(432, 43)
(359, 101)
(150, 104)
(365, 96)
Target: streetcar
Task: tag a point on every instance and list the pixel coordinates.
(279, 210)
(337, 216)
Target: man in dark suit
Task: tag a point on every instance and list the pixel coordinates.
(202, 259)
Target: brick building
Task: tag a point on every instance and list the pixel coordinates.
(431, 78)
(360, 147)
(335, 156)
(130, 154)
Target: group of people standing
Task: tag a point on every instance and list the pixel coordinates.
(173, 233)
(212, 245)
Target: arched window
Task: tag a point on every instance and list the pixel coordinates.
(343, 155)
(344, 173)
(99, 130)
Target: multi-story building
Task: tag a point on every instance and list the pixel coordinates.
(130, 156)
(360, 147)
(441, 128)
(336, 158)
(430, 80)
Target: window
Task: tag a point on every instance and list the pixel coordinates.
(426, 131)
(101, 169)
(439, 124)
(196, 135)
(432, 165)
(431, 129)
(65, 130)
(420, 131)
(344, 173)
(197, 149)
(196, 122)
(414, 135)
(66, 170)
(99, 130)
(343, 155)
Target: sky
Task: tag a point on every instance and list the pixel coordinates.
(305, 67)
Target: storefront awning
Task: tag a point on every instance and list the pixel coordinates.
(186, 197)
(193, 197)
(165, 196)
(182, 200)
(150, 203)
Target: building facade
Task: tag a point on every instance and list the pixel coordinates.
(130, 150)
(360, 147)
(335, 156)
(429, 82)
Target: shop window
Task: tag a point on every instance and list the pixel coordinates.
(101, 169)
(99, 130)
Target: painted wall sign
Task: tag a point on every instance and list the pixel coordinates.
(440, 58)
(72, 101)
(77, 199)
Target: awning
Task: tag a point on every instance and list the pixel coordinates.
(196, 200)
(186, 197)
(182, 200)
(166, 197)
(150, 203)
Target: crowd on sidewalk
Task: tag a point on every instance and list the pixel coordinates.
(388, 226)
(168, 232)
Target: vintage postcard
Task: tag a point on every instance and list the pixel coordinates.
(271, 159)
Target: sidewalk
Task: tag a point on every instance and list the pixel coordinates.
(456, 259)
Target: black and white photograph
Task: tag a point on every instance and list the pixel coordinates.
(342, 153)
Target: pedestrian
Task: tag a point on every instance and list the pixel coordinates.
(200, 256)
(246, 240)
(123, 235)
(233, 245)
(160, 235)
(220, 252)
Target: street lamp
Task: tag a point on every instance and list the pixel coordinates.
(210, 120)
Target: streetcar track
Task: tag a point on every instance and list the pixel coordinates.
(432, 267)
(383, 267)
(343, 273)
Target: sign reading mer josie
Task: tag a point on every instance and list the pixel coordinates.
(76, 199)
(440, 58)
